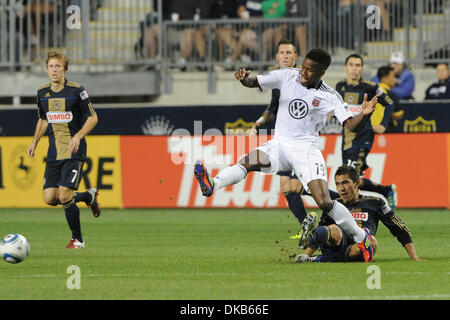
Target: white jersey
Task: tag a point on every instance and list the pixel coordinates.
(302, 112)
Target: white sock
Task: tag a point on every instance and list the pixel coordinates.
(229, 176)
(342, 217)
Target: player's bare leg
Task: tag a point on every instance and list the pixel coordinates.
(254, 161)
(51, 196)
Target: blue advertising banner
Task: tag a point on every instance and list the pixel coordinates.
(417, 117)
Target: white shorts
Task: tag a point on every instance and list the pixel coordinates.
(304, 158)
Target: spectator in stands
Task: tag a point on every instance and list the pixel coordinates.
(405, 79)
(32, 8)
(294, 9)
(387, 81)
(247, 10)
(272, 35)
(150, 32)
(228, 46)
(441, 88)
(193, 35)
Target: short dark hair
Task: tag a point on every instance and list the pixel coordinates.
(286, 41)
(384, 71)
(320, 56)
(342, 170)
(354, 55)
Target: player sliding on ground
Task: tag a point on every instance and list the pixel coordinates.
(305, 103)
(334, 242)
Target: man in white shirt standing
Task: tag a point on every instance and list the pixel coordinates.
(305, 103)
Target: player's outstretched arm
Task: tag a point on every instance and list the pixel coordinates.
(352, 124)
(409, 247)
(243, 76)
(41, 128)
(265, 118)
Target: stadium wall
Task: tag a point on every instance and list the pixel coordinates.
(157, 171)
(227, 119)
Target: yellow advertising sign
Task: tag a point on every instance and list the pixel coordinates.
(238, 127)
(21, 177)
(419, 125)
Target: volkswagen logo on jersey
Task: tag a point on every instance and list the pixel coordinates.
(298, 109)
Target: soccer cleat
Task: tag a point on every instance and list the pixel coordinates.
(95, 207)
(366, 247)
(300, 258)
(308, 226)
(296, 236)
(203, 178)
(392, 196)
(75, 244)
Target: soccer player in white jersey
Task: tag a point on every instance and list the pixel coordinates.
(305, 102)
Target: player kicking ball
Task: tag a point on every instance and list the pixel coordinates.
(305, 103)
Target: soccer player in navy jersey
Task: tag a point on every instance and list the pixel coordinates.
(62, 107)
(335, 243)
(357, 145)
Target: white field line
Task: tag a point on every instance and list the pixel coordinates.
(218, 274)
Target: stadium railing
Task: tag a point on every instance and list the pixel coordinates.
(120, 34)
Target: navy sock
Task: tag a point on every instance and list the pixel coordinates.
(321, 235)
(296, 205)
(83, 196)
(331, 257)
(368, 185)
(73, 218)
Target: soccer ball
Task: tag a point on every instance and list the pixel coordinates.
(14, 248)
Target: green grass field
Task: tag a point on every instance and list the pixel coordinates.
(213, 254)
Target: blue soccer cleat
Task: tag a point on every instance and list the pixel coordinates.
(203, 178)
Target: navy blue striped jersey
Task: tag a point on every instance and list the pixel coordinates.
(353, 96)
(368, 212)
(66, 112)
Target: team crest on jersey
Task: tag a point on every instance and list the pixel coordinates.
(298, 109)
(56, 104)
(316, 102)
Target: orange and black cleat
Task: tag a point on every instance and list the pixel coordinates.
(366, 247)
(203, 178)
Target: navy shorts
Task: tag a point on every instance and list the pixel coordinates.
(340, 252)
(65, 173)
(356, 158)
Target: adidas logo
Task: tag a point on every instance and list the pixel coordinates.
(332, 126)
(47, 95)
(157, 126)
